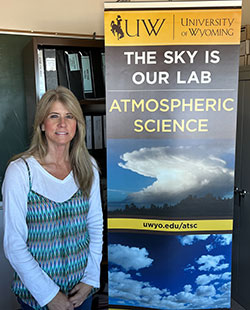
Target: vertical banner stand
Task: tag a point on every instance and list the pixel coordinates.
(171, 93)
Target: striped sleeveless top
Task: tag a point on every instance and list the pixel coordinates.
(58, 240)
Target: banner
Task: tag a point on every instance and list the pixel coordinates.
(171, 93)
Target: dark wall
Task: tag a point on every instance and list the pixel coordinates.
(13, 127)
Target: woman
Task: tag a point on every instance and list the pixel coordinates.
(52, 211)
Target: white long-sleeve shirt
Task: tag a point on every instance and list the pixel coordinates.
(15, 193)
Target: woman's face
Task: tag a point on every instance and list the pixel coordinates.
(59, 125)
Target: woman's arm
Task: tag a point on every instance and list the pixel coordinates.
(15, 190)
(95, 228)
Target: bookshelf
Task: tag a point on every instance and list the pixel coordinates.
(92, 103)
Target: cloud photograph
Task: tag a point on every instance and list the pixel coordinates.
(146, 172)
(170, 271)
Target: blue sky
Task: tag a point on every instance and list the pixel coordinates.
(170, 271)
(150, 171)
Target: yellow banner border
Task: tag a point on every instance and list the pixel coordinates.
(218, 27)
(171, 226)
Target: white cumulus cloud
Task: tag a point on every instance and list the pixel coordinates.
(127, 291)
(224, 239)
(219, 240)
(190, 239)
(221, 267)
(206, 279)
(226, 276)
(130, 258)
(209, 247)
(121, 285)
(188, 288)
(209, 262)
(182, 171)
(225, 288)
(206, 290)
(189, 268)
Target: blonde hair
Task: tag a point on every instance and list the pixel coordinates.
(80, 159)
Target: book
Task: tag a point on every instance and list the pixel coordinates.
(97, 129)
(74, 74)
(41, 76)
(87, 76)
(88, 121)
(103, 66)
(62, 72)
(50, 68)
(104, 131)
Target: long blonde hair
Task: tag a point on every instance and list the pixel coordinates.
(81, 163)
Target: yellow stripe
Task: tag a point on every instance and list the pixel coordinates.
(170, 225)
(156, 27)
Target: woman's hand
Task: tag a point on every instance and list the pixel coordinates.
(60, 302)
(79, 293)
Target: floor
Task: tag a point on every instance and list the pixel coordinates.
(236, 306)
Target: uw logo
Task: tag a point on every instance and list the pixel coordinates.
(148, 25)
(116, 28)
